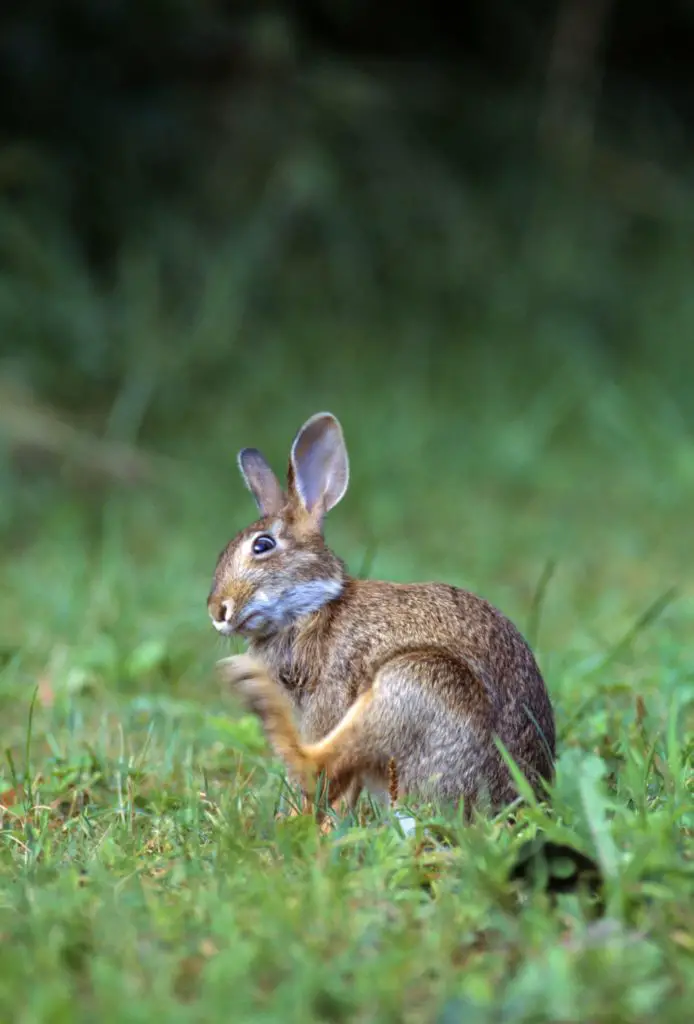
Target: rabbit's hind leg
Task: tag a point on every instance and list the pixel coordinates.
(428, 715)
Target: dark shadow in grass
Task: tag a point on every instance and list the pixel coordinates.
(556, 868)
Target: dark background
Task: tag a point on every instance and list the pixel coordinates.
(187, 188)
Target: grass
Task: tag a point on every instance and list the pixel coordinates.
(142, 871)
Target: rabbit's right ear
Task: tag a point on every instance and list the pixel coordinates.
(318, 465)
(261, 481)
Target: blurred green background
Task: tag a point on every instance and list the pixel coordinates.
(467, 231)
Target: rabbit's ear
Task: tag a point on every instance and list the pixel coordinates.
(318, 465)
(261, 481)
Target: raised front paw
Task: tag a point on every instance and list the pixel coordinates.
(239, 669)
(249, 679)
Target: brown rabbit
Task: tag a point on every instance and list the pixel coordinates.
(352, 676)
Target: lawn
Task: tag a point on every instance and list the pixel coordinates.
(143, 873)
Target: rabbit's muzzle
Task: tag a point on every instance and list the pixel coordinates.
(231, 610)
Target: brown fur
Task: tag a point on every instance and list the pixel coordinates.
(382, 681)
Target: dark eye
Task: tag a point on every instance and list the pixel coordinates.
(262, 543)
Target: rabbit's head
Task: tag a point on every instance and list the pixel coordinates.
(279, 568)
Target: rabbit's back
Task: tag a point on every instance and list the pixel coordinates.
(374, 620)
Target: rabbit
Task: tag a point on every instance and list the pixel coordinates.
(370, 684)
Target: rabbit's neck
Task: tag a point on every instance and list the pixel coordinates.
(293, 654)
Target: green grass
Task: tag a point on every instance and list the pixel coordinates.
(142, 872)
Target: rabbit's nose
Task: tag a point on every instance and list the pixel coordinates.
(221, 611)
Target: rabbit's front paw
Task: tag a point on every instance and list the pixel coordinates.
(249, 680)
(239, 668)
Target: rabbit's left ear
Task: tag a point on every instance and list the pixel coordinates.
(318, 465)
(261, 481)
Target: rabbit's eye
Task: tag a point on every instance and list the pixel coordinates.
(262, 543)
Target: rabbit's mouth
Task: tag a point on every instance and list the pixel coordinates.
(223, 628)
(241, 613)
(251, 623)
